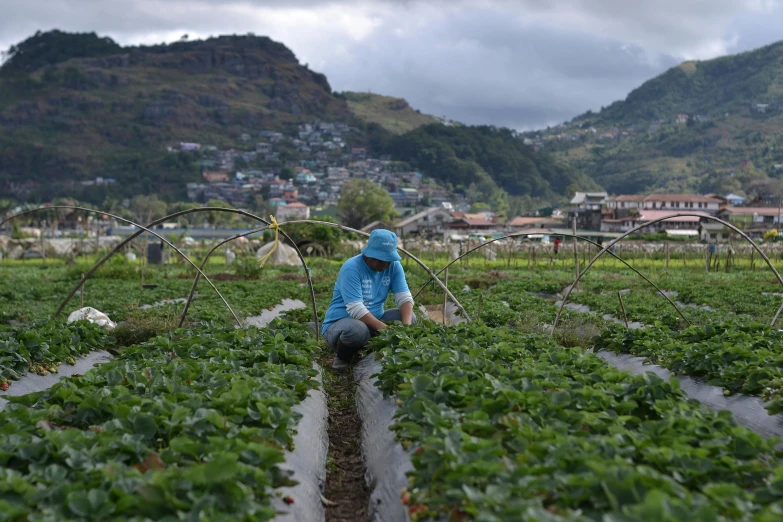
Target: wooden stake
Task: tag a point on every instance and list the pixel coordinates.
(480, 302)
(81, 294)
(622, 307)
(576, 250)
(445, 296)
(666, 247)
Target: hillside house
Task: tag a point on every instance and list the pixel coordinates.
(589, 200)
(337, 173)
(528, 223)
(760, 108)
(750, 218)
(473, 223)
(263, 148)
(734, 200)
(682, 119)
(427, 222)
(292, 211)
(215, 176)
(677, 202)
(405, 197)
(681, 223)
(305, 177)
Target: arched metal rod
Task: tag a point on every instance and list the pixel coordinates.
(341, 227)
(635, 229)
(117, 249)
(177, 214)
(255, 231)
(161, 220)
(523, 234)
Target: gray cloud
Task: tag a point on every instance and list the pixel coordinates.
(518, 63)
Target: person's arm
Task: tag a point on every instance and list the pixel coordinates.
(406, 311)
(373, 323)
(402, 295)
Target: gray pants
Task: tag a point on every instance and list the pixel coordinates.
(347, 336)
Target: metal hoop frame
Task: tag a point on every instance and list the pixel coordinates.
(637, 228)
(524, 234)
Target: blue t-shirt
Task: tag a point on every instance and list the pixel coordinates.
(359, 282)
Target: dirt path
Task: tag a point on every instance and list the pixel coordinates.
(345, 488)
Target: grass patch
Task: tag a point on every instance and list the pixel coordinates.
(143, 325)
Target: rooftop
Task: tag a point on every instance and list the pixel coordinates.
(761, 211)
(527, 221)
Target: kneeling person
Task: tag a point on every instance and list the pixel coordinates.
(356, 311)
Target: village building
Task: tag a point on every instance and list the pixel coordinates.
(521, 223)
(215, 176)
(589, 200)
(474, 224)
(428, 222)
(292, 211)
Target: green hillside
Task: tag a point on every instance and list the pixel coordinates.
(464, 155)
(730, 142)
(74, 107)
(393, 114)
(66, 118)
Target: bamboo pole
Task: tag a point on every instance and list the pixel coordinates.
(576, 249)
(480, 303)
(622, 307)
(666, 247)
(445, 295)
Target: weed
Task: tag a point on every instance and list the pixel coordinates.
(143, 325)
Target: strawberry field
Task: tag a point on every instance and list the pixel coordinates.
(499, 419)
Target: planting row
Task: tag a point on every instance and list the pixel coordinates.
(31, 293)
(44, 345)
(190, 426)
(503, 426)
(737, 356)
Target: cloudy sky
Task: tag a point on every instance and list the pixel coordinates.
(518, 63)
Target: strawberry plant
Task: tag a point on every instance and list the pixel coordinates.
(190, 425)
(738, 356)
(42, 346)
(504, 426)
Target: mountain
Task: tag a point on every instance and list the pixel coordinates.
(74, 107)
(393, 114)
(727, 139)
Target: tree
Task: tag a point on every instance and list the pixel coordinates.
(219, 219)
(362, 202)
(147, 208)
(194, 218)
(287, 173)
(260, 207)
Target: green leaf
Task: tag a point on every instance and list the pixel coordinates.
(420, 383)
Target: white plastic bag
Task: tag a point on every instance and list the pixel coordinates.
(92, 315)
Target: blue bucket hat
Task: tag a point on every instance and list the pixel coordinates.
(382, 245)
